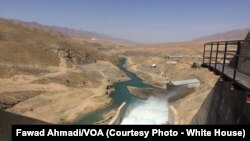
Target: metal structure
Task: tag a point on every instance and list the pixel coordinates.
(223, 57)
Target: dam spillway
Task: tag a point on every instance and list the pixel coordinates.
(154, 110)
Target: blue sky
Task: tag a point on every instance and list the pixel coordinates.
(146, 21)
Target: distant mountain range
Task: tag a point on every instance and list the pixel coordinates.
(104, 41)
(82, 35)
(238, 34)
(87, 36)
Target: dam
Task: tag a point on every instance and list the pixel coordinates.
(228, 102)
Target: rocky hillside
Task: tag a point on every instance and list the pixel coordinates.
(21, 43)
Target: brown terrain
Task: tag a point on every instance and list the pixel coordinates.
(47, 75)
(57, 75)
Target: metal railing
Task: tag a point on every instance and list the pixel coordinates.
(219, 55)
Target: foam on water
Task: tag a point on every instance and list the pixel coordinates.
(154, 110)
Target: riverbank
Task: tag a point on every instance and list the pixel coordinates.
(65, 103)
(148, 75)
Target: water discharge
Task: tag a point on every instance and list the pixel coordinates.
(154, 110)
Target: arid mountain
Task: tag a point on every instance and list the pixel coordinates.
(238, 34)
(48, 75)
(21, 43)
(82, 35)
(93, 37)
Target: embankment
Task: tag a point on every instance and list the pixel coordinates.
(171, 115)
(116, 120)
(174, 96)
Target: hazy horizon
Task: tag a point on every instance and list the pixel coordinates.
(145, 21)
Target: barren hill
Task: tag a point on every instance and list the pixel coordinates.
(237, 34)
(47, 75)
(24, 44)
(84, 36)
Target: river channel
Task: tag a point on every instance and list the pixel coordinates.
(121, 94)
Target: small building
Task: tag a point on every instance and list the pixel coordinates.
(181, 88)
(188, 83)
(153, 65)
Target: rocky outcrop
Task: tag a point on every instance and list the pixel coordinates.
(9, 99)
(4, 105)
(72, 55)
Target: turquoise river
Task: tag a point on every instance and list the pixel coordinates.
(121, 94)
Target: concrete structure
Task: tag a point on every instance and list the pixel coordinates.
(171, 114)
(7, 119)
(116, 120)
(181, 88)
(188, 83)
(244, 66)
(224, 106)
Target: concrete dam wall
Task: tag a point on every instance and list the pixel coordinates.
(116, 120)
(7, 119)
(223, 106)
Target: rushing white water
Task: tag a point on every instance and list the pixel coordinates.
(154, 110)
